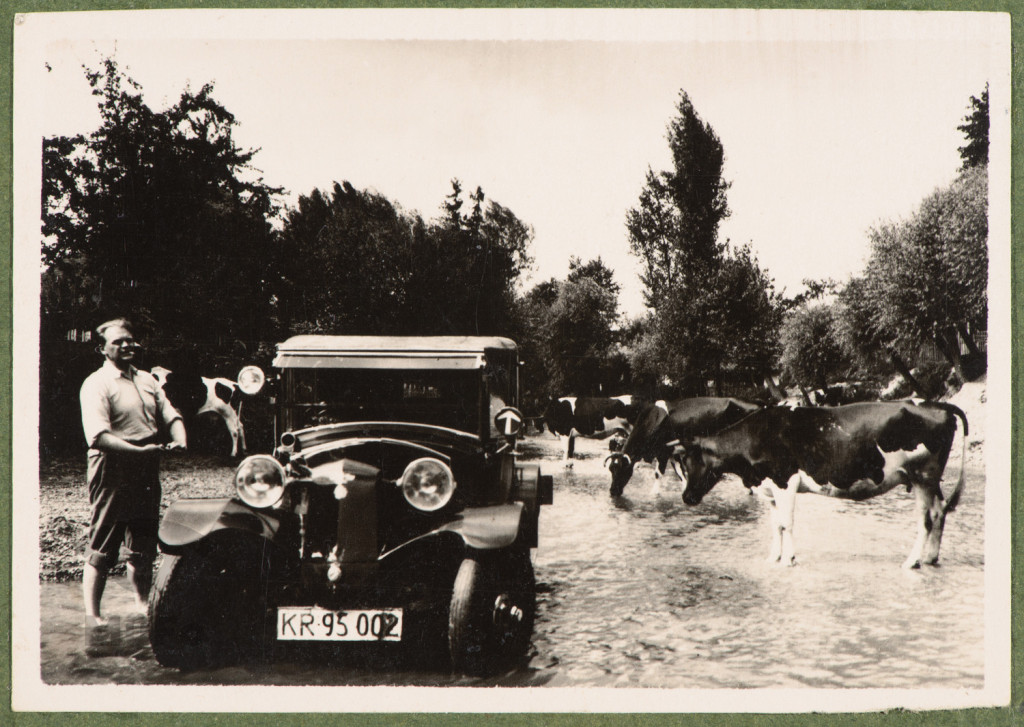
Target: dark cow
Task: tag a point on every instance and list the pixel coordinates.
(855, 452)
(597, 417)
(665, 428)
(192, 395)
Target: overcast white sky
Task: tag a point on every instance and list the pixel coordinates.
(831, 122)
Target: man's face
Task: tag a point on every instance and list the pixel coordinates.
(119, 345)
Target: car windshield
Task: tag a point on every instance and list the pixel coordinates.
(326, 396)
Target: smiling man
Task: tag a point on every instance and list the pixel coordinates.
(124, 413)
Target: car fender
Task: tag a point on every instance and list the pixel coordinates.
(482, 528)
(189, 521)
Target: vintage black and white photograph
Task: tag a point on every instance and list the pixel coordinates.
(646, 360)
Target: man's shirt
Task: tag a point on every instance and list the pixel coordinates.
(128, 404)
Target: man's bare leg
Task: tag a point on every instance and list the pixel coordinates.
(93, 582)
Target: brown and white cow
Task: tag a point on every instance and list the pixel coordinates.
(596, 417)
(855, 452)
(192, 395)
(666, 427)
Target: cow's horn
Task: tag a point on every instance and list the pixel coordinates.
(616, 455)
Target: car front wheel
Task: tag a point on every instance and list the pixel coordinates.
(492, 611)
(209, 605)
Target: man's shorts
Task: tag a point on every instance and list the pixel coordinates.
(105, 538)
(124, 494)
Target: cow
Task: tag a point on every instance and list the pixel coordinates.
(664, 428)
(192, 395)
(597, 417)
(856, 452)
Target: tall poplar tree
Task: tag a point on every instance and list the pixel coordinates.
(714, 310)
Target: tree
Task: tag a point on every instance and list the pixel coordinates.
(812, 352)
(675, 227)
(475, 261)
(164, 212)
(344, 264)
(697, 186)
(157, 215)
(579, 337)
(929, 274)
(925, 283)
(594, 270)
(975, 128)
(568, 333)
(653, 229)
(355, 262)
(716, 299)
(814, 290)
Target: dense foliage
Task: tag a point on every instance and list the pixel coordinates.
(158, 215)
(812, 351)
(921, 295)
(161, 216)
(975, 129)
(715, 313)
(155, 214)
(926, 280)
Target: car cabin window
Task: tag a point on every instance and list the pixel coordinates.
(326, 396)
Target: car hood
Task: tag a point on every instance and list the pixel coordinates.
(317, 445)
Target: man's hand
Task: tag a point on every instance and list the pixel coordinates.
(175, 447)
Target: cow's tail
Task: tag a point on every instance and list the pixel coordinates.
(954, 496)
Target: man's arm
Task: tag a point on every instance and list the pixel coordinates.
(178, 438)
(109, 442)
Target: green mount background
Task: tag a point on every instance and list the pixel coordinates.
(1011, 715)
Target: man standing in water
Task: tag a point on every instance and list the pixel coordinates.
(123, 411)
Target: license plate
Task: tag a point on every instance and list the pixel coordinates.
(321, 624)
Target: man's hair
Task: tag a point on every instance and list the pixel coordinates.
(101, 329)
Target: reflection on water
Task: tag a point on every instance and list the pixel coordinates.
(644, 591)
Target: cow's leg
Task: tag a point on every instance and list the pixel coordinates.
(770, 492)
(568, 448)
(233, 428)
(924, 497)
(930, 472)
(232, 423)
(937, 513)
(656, 484)
(783, 509)
(241, 448)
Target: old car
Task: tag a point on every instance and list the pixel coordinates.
(391, 515)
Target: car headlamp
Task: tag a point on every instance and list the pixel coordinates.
(251, 379)
(259, 481)
(427, 484)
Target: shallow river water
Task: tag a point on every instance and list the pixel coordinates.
(643, 591)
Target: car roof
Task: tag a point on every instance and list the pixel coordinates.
(401, 352)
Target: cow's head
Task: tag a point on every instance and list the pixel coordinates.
(702, 467)
(160, 374)
(620, 465)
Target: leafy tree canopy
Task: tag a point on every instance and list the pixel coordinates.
(812, 352)
(975, 129)
(716, 300)
(354, 262)
(160, 214)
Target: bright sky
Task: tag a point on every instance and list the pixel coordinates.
(831, 122)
